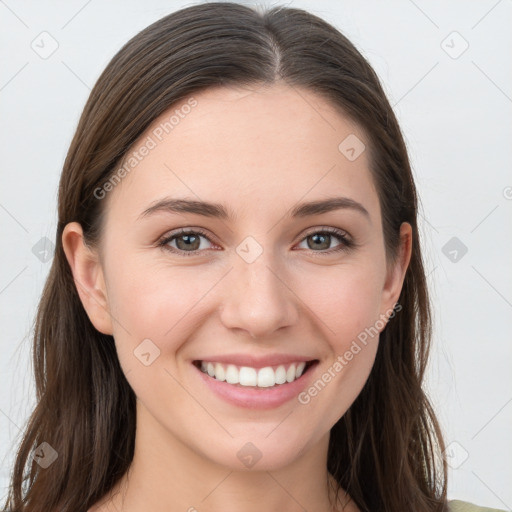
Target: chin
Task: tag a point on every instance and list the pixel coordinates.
(260, 450)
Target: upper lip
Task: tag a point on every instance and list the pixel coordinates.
(256, 361)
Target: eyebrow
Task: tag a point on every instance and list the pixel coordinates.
(217, 210)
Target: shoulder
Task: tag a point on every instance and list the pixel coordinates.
(464, 506)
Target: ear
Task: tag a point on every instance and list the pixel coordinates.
(88, 276)
(396, 271)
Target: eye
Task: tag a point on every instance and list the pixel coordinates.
(187, 242)
(320, 240)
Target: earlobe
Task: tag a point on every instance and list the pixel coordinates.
(396, 273)
(88, 276)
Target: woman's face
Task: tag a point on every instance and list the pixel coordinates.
(262, 279)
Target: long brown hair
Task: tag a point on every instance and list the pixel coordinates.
(387, 450)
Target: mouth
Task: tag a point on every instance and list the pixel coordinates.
(255, 378)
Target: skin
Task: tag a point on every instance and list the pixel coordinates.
(259, 151)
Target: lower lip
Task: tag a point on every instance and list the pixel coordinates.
(257, 398)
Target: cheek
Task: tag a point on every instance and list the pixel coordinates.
(346, 301)
(349, 314)
(152, 301)
(156, 309)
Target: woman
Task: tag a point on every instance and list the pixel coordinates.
(237, 315)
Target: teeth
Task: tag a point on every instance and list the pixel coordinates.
(280, 375)
(266, 377)
(290, 374)
(220, 374)
(232, 374)
(247, 376)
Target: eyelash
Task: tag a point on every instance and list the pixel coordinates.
(346, 242)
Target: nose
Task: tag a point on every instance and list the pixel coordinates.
(258, 299)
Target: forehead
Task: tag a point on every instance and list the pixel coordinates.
(263, 147)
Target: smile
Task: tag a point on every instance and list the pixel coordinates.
(253, 381)
(266, 377)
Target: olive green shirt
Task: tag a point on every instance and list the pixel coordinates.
(464, 506)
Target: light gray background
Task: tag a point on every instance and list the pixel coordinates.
(455, 111)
